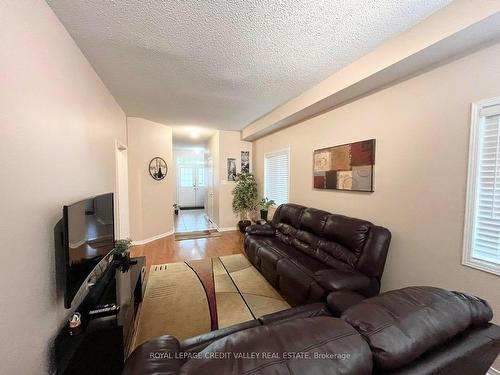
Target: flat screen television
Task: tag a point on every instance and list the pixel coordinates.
(88, 237)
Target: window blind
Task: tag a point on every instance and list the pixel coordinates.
(276, 176)
(486, 231)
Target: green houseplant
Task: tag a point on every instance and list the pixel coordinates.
(244, 198)
(265, 205)
(121, 253)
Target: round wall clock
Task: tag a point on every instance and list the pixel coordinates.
(158, 168)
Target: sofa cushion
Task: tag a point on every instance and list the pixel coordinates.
(347, 231)
(301, 260)
(285, 233)
(340, 301)
(197, 343)
(469, 353)
(306, 242)
(305, 311)
(159, 356)
(403, 324)
(288, 214)
(313, 220)
(314, 337)
(260, 230)
(296, 284)
(336, 255)
(332, 280)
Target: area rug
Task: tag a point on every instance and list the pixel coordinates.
(195, 297)
(209, 233)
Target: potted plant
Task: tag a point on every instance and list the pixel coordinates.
(265, 205)
(121, 253)
(176, 209)
(244, 198)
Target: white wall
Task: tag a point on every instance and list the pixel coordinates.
(213, 150)
(230, 146)
(58, 125)
(224, 145)
(151, 211)
(422, 132)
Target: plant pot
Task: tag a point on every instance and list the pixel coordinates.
(263, 214)
(243, 224)
(123, 260)
(176, 212)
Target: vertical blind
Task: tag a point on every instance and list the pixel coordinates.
(276, 170)
(486, 232)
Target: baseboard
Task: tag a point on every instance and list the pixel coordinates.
(493, 371)
(223, 229)
(154, 238)
(226, 229)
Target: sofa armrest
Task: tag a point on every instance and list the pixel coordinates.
(333, 280)
(196, 344)
(341, 300)
(261, 230)
(304, 311)
(158, 356)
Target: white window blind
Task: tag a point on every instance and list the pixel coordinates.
(482, 237)
(276, 176)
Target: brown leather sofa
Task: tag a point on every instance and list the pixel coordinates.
(411, 331)
(306, 253)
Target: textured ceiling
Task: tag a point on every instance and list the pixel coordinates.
(222, 64)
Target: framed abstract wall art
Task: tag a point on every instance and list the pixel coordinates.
(345, 167)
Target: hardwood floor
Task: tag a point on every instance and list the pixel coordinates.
(167, 250)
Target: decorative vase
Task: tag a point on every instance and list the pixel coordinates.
(243, 224)
(263, 214)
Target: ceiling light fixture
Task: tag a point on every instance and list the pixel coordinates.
(194, 134)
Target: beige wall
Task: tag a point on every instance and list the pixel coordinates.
(223, 145)
(213, 150)
(151, 212)
(422, 132)
(58, 125)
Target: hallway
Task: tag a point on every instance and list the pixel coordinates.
(191, 221)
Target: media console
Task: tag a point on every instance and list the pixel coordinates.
(103, 343)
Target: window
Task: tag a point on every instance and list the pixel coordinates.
(201, 176)
(276, 176)
(186, 176)
(482, 216)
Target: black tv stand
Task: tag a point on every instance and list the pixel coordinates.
(101, 346)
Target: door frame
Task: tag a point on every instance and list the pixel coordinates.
(122, 210)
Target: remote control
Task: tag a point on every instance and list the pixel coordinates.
(104, 309)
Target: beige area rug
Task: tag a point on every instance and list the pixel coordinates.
(174, 303)
(195, 297)
(242, 293)
(209, 233)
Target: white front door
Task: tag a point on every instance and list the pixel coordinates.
(186, 186)
(201, 186)
(209, 208)
(192, 185)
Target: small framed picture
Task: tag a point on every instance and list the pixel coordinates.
(231, 169)
(245, 161)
